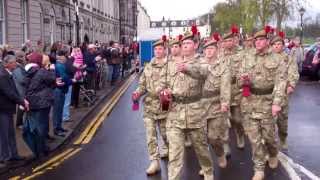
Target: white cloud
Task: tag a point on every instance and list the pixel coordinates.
(177, 9)
(187, 9)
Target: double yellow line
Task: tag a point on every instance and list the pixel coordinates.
(89, 132)
(84, 138)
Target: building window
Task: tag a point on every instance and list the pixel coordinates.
(63, 25)
(2, 22)
(24, 19)
(52, 29)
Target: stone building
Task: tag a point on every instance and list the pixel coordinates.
(143, 20)
(55, 20)
(128, 20)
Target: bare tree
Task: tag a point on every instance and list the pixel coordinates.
(282, 9)
(264, 11)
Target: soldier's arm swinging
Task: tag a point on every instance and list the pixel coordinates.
(279, 91)
(197, 71)
(225, 88)
(142, 86)
(293, 73)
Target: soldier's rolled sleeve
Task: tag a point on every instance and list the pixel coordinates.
(242, 70)
(225, 88)
(279, 92)
(293, 73)
(198, 71)
(142, 85)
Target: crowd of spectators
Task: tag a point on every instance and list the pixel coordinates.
(39, 85)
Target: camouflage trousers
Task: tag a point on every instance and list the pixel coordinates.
(152, 138)
(262, 137)
(236, 120)
(217, 130)
(282, 123)
(176, 138)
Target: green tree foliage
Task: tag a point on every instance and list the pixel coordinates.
(251, 14)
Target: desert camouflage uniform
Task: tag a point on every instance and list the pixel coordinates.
(149, 83)
(293, 77)
(216, 91)
(236, 57)
(185, 118)
(268, 83)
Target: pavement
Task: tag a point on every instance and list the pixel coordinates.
(117, 150)
(78, 117)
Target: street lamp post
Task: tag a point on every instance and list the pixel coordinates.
(164, 28)
(76, 7)
(301, 11)
(170, 29)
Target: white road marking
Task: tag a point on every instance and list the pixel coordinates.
(290, 165)
(290, 170)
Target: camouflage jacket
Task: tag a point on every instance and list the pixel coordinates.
(217, 84)
(150, 84)
(292, 70)
(235, 58)
(174, 58)
(186, 109)
(268, 77)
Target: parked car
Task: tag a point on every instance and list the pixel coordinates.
(309, 69)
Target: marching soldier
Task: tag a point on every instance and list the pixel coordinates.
(149, 84)
(216, 96)
(248, 43)
(175, 50)
(235, 58)
(293, 77)
(263, 81)
(185, 115)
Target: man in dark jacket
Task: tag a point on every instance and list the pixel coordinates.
(91, 69)
(39, 92)
(9, 98)
(115, 61)
(60, 91)
(19, 75)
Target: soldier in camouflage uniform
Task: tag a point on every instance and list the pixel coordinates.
(234, 55)
(185, 115)
(154, 117)
(175, 50)
(266, 77)
(175, 55)
(216, 96)
(293, 77)
(248, 43)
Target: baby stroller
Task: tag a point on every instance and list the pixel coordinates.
(87, 96)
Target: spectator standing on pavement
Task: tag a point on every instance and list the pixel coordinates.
(1, 53)
(9, 98)
(80, 66)
(125, 60)
(19, 75)
(107, 55)
(130, 58)
(40, 47)
(27, 47)
(115, 62)
(91, 67)
(41, 81)
(70, 71)
(316, 57)
(53, 52)
(297, 53)
(60, 91)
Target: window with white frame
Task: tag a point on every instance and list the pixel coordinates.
(2, 22)
(24, 19)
